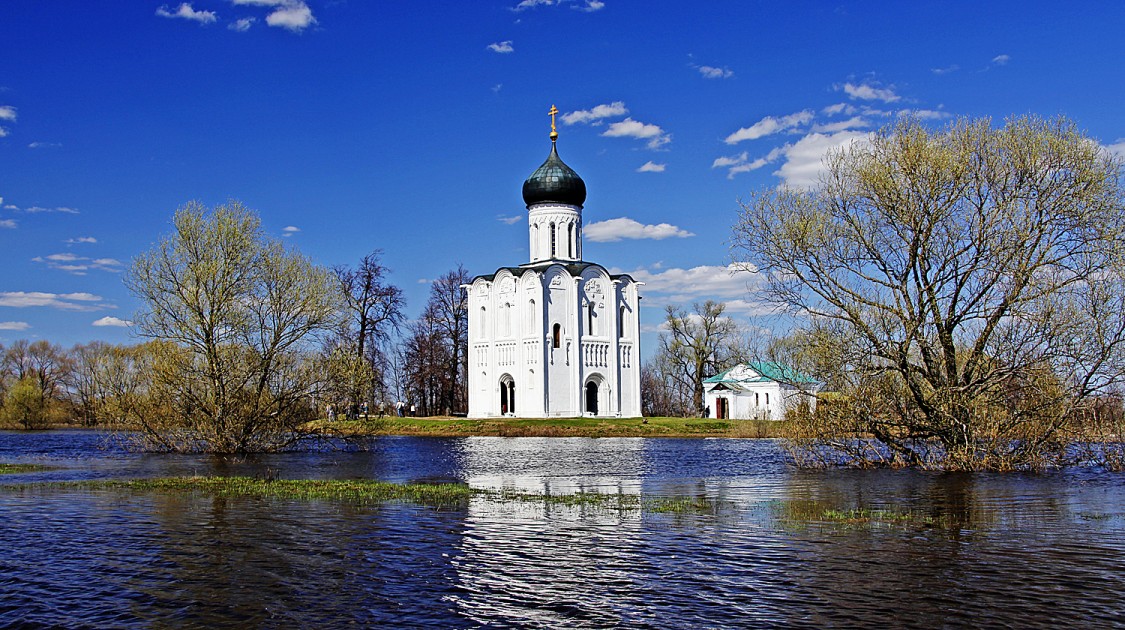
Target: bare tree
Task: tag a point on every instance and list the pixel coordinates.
(971, 279)
(696, 345)
(373, 309)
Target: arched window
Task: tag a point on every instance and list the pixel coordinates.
(621, 322)
(531, 327)
(507, 317)
(483, 323)
(556, 336)
(554, 245)
(535, 241)
(590, 330)
(570, 239)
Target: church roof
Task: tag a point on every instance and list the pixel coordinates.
(575, 269)
(554, 182)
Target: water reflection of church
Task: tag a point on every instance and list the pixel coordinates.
(557, 336)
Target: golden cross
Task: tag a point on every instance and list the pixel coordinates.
(554, 110)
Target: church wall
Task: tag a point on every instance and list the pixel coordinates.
(561, 365)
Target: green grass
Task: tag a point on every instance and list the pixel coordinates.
(12, 469)
(556, 427)
(360, 491)
(364, 492)
(802, 512)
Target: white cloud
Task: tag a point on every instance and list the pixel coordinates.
(9, 224)
(870, 92)
(7, 112)
(3, 132)
(591, 6)
(1001, 60)
(109, 320)
(1117, 148)
(630, 128)
(711, 72)
(608, 110)
(651, 167)
(855, 122)
(945, 70)
(38, 210)
(289, 230)
(925, 114)
(741, 163)
(503, 47)
(730, 160)
(512, 220)
(686, 285)
(79, 265)
(497, 87)
(184, 11)
(14, 325)
(614, 230)
(839, 108)
(530, 4)
(242, 25)
(44, 145)
(803, 159)
(293, 15)
(770, 125)
(61, 301)
(81, 239)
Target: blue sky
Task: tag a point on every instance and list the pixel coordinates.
(410, 126)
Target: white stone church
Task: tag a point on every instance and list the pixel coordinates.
(557, 336)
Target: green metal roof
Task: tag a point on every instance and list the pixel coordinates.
(767, 371)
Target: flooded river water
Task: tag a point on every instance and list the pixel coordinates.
(982, 550)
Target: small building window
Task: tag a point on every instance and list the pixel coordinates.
(621, 322)
(767, 399)
(556, 336)
(483, 323)
(531, 327)
(554, 244)
(570, 238)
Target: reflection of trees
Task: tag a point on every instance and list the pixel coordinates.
(254, 562)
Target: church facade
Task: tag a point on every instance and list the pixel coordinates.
(558, 335)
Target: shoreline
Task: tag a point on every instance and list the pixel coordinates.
(445, 426)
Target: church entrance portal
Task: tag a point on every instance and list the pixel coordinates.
(592, 398)
(507, 395)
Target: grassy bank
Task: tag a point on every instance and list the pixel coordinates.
(557, 427)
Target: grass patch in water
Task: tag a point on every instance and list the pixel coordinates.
(365, 491)
(346, 490)
(13, 469)
(799, 512)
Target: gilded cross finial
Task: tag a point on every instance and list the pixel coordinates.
(554, 133)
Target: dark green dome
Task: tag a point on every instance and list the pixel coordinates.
(554, 182)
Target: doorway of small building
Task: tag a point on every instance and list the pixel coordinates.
(722, 408)
(592, 398)
(507, 395)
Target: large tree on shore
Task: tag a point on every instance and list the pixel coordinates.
(372, 308)
(971, 279)
(436, 353)
(694, 345)
(241, 313)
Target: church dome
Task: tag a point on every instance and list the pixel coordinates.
(554, 182)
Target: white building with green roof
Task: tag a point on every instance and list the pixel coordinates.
(758, 390)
